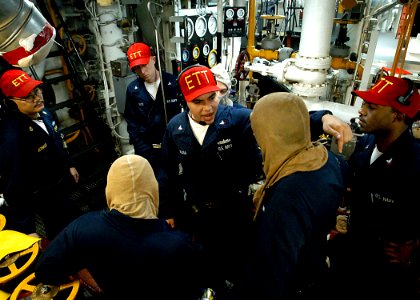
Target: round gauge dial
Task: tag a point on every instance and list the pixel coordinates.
(229, 13)
(212, 59)
(212, 24)
(241, 13)
(196, 52)
(185, 55)
(206, 49)
(189, 28)
(200, 26)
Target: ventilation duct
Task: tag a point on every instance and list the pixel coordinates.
(25, 35)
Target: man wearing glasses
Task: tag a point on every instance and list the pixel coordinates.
(36, 172)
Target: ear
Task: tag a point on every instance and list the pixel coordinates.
(399, 116)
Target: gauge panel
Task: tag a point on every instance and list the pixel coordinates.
(197, 48)
(234, 21)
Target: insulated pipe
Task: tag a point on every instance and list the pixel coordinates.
(295, 74)
(309, 68)
(314, 55)
(314, 47)
(25, 35)
(317, 28)
(341, 111)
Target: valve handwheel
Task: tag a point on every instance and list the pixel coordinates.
(42, 291)
(15, 268)
(240, 72)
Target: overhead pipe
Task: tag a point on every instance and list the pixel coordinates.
(25, 35)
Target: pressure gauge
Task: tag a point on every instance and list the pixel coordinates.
(189, 28)
(241, 13)
(200, 26)
(212, 59)
(212, 24)
(229, 13)
(206, 49)
(185, 55)
(196, 52)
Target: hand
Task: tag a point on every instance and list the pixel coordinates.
(75, 174)
(341, 224)
(171, 222)
(401, 254)
(337, 128)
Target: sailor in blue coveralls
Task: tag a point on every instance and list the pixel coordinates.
(147, 110)
(380, 255)
(36, 171)
(211, 157)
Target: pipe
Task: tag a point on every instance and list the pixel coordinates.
(317, 28)
(343, 63)
(107, 33)
(384, 8)
(314, 47)
(252, 52)
(342, 111)
(25, 35)
(158, 54)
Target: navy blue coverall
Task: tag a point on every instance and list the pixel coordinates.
(207, 186)
(384, 205)
(129, 258)
(35, 173)
(145, 117)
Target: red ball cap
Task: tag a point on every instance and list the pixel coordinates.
(138, 54)
(387, 92)
(196, 81)
(16, 83)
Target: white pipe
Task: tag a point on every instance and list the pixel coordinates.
(341, 111)
(314, 48)
(295, 74)
(111, 34)
(106, 54)
(317, 28)
(220, 15)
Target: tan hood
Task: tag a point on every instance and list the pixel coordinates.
(280, 122)
(132, 188)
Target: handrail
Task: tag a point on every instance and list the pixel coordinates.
(404, 39)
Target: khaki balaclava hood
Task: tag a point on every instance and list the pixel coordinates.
(280, 122)
(132, 188)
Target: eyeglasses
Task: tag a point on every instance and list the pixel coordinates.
(35, 94)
